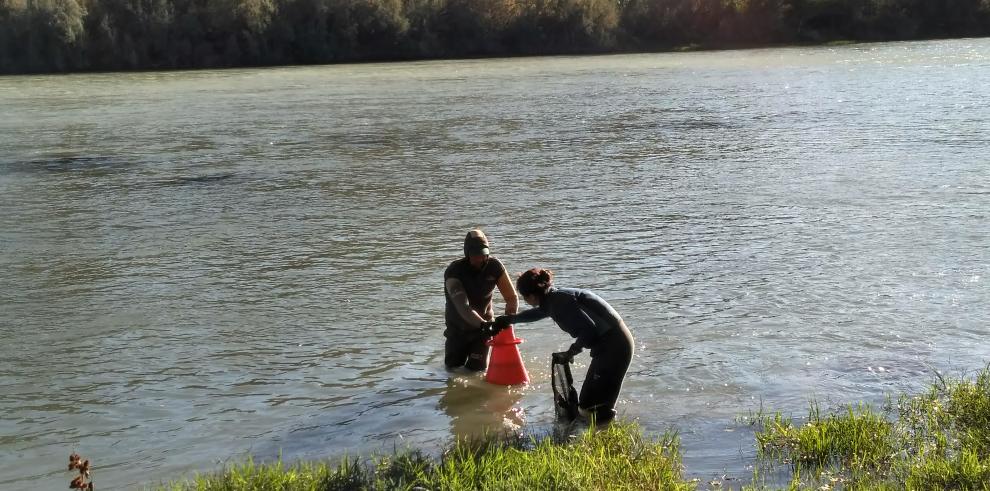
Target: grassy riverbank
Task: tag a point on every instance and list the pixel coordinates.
(614, 458)
(936, 440)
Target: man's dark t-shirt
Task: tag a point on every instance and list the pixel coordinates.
(479, 284)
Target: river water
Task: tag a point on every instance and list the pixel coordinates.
(201, 266)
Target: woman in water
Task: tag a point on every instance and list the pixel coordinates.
(594, 324)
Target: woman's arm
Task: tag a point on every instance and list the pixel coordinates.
(580, 325)
(530, 315)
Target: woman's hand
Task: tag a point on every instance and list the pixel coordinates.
(562, 357)
(503, 321)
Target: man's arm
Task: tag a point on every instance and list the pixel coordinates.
(460, 300)
(508, 292)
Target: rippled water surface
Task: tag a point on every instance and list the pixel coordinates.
(201, 266)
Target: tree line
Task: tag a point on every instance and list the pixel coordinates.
(38, 36)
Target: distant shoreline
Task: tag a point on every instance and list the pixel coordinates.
(672, 50)
(91, 36)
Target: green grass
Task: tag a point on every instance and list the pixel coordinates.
(937, 440)
(858, 438)
(614, 458)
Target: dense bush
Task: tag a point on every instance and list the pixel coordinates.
(70, 35)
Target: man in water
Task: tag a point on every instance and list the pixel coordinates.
(468, 286)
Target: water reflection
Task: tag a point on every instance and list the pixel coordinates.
(478, 408)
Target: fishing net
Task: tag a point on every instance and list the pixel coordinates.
(565, 398)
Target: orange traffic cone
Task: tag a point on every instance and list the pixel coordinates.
(506, 365)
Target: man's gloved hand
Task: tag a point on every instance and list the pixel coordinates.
(488, 329)
(503, 321)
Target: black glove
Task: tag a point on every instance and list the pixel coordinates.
(488, 329)
(503, 321)
(567, 356)
(574, 350)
